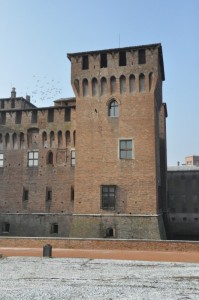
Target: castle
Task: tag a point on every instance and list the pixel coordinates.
(92, 166)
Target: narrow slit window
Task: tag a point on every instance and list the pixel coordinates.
(142, 56)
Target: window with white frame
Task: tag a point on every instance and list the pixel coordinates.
(72, 157)
(33, 157)
(126, 149)
(113, 110)
(1, 160)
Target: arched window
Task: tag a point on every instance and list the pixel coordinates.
(150, 80)
(50, 158)
(132, 84)
(113, 109)
(141, 83)
(22, 140)
(76, 84)
(85, 87)
(113, 84)
(44, 139)
(14, 141)
(7, 141)
(59, 139)
(67, 138)
(74, 137)
(103, 86)
(94, 87)
(52, 139)
(122, 84)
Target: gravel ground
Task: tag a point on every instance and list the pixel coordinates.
(72, 278)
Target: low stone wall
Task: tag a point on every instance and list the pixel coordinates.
(100, 244)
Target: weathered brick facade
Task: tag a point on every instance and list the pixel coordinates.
(115, 128)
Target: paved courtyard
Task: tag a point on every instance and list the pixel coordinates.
(74, 278)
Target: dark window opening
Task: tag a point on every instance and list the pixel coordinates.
(54, 228)
(2, 118)
(18, 117)
(108, 196)
(173, 219)
(85, 62)
(44, 139)
(67, 115)
(50, 158)
(74, 137)
(2, 103)
(109, 232)
(6, 227)
(48, 195)
(50, 115)
(195, 219)
(184, 219)
(142, 56)
(196, 209)
(122, 58)
(103, 60)
(12, 103)
(34, 117)
(72, 194)
(25, 195)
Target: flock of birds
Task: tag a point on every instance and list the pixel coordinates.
(44, 89)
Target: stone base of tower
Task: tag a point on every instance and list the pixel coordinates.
(118, 226)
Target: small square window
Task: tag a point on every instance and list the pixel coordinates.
(33, 158)
(1, 160)
(126, 151)
(73, 158)
(108, 196)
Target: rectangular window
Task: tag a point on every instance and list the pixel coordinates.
(2, 118)
(2, 103)
(6, 227)
(126, 150)
(67, 115)
(34, 116)
(54, 228)
(51, 115)
(103, 60)
(85, 62)
(122, 58)
(1, 160)
(18, 117)
(108, 196)
(33, 158)
(142, 56)
(73, 157)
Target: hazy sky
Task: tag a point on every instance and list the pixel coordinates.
(35, 36)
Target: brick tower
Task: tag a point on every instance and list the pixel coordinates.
(120, 169)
